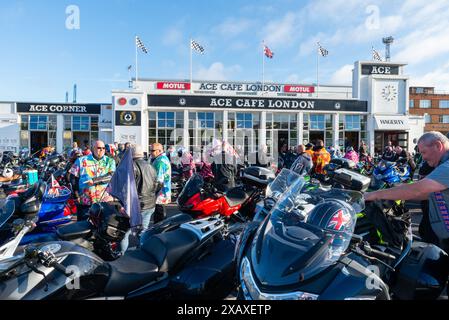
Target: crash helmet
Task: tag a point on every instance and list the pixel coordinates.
(333, 215)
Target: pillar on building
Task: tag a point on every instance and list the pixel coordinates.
(300, 128)
(370, 132)
(60, 133)
(186, 138)
(336, 126)
(225, 125)
(263, 129)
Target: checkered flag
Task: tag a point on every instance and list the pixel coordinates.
(321, 51)
(197, 47)
(376, 55)
(140, 45)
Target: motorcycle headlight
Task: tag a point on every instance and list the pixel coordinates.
(252, 292)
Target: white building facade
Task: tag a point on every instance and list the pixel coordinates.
(179, 113)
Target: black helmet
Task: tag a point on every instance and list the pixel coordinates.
(333, 215)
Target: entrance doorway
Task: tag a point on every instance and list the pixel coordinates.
(352, 140)
(397, 138)
(80, 137)
(282, 139)
(38, 140)
(314, 136)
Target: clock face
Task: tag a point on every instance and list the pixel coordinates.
(389, 92)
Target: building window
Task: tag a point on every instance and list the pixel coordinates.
(428, 118)
(317, 122)
(444, 104)
(412, 103)
(444, 119)
(38, 123)
(162, 128)
(420, 90)
(424, 104)
(80, 123)
(352, 122)
(206, 120)
(244, 120)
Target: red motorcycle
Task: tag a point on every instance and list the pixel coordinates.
(201, 199)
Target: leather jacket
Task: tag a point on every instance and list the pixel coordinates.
(146, 183)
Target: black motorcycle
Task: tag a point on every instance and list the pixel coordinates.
(318, 256)
(177, 258)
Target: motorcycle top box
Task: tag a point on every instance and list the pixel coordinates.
(257, 176)
(351, 180)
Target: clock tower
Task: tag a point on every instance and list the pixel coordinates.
(386, 88)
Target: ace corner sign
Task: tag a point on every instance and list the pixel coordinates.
(127, 118)
(60, 108)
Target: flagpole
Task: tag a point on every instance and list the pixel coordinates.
(318, 71)
(137, 66)
(191, 68)
(263, 66)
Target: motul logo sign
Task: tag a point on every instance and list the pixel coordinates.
(299, 89)
(173, 86)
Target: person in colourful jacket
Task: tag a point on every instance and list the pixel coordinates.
(320, 158)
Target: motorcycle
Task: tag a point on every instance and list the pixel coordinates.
(386, 174)
(318, 256)
(37, 203)
(177, 258)
(201, 199)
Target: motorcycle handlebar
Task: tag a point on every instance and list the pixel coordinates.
(369, 250)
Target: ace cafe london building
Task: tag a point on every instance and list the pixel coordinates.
(374, 109)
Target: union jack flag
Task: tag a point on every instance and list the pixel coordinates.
(268, 53)
(339, 221)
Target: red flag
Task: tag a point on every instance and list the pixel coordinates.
(268, 52)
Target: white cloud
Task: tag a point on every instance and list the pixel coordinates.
(172, 36)
(342, 76)
(232, 27)
(438, 78)
(283, 31)
(217, 71)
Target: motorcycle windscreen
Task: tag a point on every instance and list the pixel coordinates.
(287, 250)
(6, 212)
(192, 187)
(281, 183)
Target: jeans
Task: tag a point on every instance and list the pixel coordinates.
(146, 219)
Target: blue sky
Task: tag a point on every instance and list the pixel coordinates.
(40, 59)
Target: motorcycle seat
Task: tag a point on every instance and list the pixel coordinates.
(29, 202)
(131, 271)
(169, 247)
(236, 196)
(36, 191)
(74, 231)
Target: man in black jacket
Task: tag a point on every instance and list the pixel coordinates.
(147, 187)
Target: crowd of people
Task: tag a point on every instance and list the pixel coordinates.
(153, 172)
